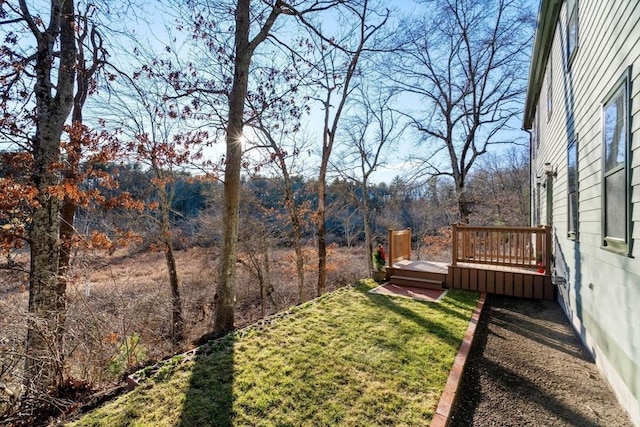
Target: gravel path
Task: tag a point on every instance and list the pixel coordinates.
(528, 368)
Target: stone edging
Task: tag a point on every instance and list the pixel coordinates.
(443, 412)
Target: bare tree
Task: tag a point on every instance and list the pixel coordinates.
(245, 46)
(158, 139)
(39, 78)
(373, 127)
(466, 62)
(91, 57)
(233, 52)
(337, 67)
(500, 188)
(283, 149)
(229, 53)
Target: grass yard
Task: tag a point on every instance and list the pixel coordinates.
(348, 358)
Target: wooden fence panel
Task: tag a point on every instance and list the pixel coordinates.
(399, 245)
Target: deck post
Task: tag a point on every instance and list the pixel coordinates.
(408, 241)
(454, 248)
(548, 243)
(539, 248)
(390, 254)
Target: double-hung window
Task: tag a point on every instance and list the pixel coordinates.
(550, 88)
(572, 189)
(572, 28)
(616, 168)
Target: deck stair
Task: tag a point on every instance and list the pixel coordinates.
(417, 274)
(415, 282)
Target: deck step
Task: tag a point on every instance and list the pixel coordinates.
(416, 282)
(418, 274)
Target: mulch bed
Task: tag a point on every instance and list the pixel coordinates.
(528, 368)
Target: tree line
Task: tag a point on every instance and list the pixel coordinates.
(499, 194)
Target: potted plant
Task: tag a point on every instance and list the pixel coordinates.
(539, 263)
(379, 263)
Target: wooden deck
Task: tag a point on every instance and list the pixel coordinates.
(501, 280)
(493, 279)
(499, 268)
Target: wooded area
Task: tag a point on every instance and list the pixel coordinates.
(110, 144)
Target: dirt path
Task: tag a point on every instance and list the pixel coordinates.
(528, 368)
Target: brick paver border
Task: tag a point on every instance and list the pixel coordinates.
(443, 412)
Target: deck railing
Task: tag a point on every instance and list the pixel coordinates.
(528, 247)
(399, 245)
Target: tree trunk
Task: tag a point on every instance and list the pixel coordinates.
(297, 246)
(74, 156)
(327, 145)
(267, 275)
(464, 207)
(264, 277)
(223, 317)
(225, 293)
(294, 216)
(177, 320)
(44, 361)
(47, 295)
(67, 217)
(71, 175)
(322, 232)
(368, 242)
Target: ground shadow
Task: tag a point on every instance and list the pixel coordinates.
(521, 387)
(437, 329)
(389, 302)
(559, 337)
(209, 398)
(469, 393)
(507, 385)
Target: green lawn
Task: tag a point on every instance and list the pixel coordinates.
(348, 358)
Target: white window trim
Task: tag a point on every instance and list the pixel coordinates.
(572, 10)
(573, 234)
(618, 245)
(549, 95)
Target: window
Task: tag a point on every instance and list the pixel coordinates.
(534, 138)
(549, 88)
(549, 187)
(536, 201)
(615, 142)
(572, 29)
(572, 189)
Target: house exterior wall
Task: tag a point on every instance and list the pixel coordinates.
(602, 292)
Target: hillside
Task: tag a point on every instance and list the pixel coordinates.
(349, 357)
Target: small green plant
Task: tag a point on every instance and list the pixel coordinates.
(379, 258)
(130, 352)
